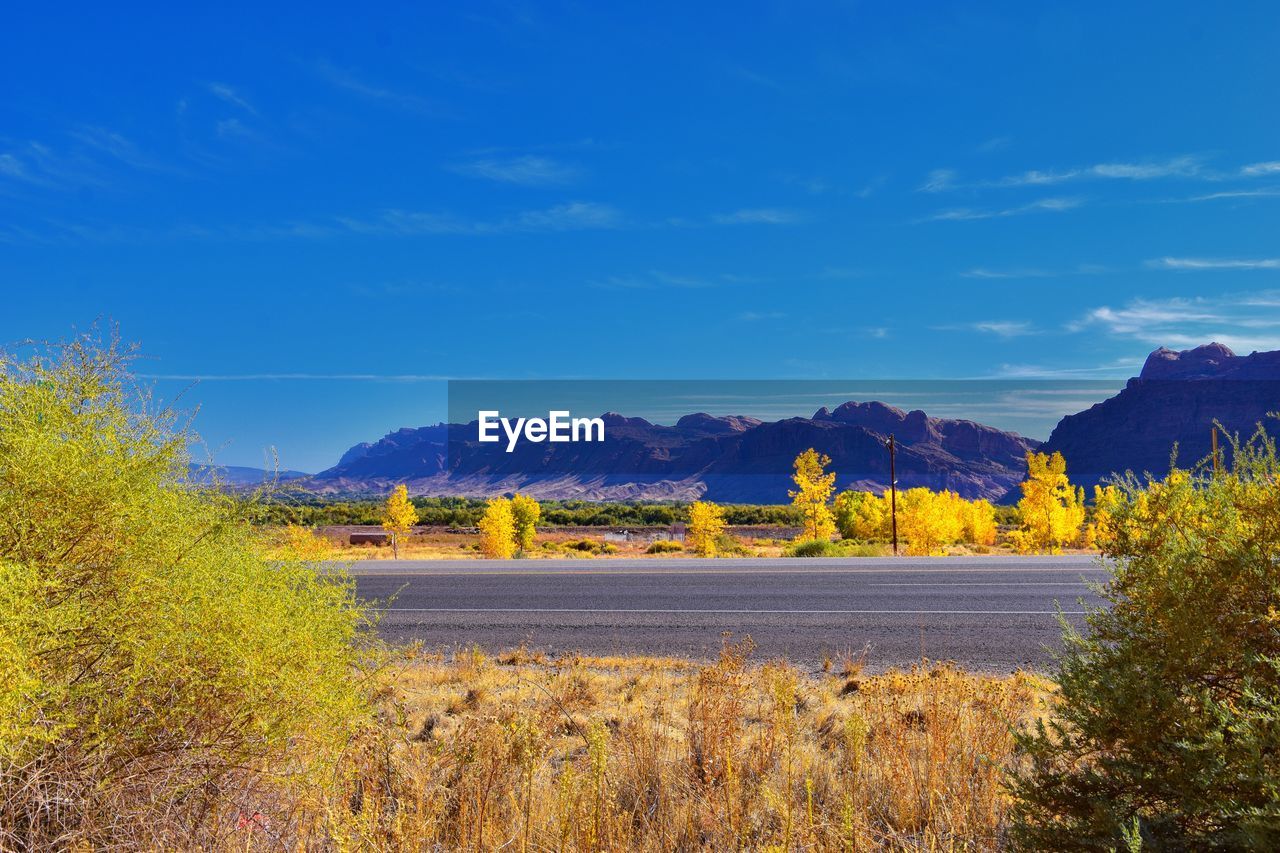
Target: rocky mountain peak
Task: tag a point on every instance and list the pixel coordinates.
(1203, 362)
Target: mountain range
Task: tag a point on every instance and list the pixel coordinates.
(738, 459)
(1174, 402)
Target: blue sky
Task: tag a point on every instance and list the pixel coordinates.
(318, 213)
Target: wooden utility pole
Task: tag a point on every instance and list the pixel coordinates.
(893, 493)
(1213, 441)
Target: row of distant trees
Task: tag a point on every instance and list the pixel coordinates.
(311, 511)
(1051, 511)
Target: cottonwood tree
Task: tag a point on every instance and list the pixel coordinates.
(1052, 510)
(706, 523)
(862, 515)
(813, 493)
(498, 529)
(525, 513)
(398, 516)
(979, 522)
(929, 520)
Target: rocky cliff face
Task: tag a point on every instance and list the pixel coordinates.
(1173, 401)
(731, 458)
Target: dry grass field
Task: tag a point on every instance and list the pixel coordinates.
(519, 752)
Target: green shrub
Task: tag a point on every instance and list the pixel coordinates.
(843, 548)
(1168, 728)
(607, 548)
(664, 546)
(156, 668)
(813, 548)
(848, 548)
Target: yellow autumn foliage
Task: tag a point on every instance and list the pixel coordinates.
(927, 520)
(812, 494)
(706, 523)
(1052, 510)
(398, 516)
(525, 513)
(498, 529)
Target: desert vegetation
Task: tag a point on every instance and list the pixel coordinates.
(165, 674)
(1167, 730)
(653, 754)
(1051, 516)
(288, 506)
(172, 678)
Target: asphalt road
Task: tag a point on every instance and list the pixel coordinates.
(987, 613)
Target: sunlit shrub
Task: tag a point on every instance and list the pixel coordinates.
(1169, 723)
(159, 673)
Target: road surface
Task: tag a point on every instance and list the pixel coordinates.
(987, 613)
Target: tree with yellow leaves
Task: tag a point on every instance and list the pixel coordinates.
(296, 542)
(706, 523)
(980, 523)
(862, 515)
(812, 493)
(398, 516)
(498, 529)
(1101, 528)
(1052, 509)
(929, 520)
(525, 513)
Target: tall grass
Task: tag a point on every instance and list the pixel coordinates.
(635, 753)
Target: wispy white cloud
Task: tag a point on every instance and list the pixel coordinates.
(660, 279)
(12, 167)
(528, 170)
(1032, 272)
(757, 216)
(1197, 264)
(1244, 322)
(1183, 167)
(1004, 328)
(939, 180)
(39, 165)
(233, 128)
(117, 146)
(999, 328)
(226, 93)
(1186, 166)
(1119, 368)
(571, 216)
(346, 80)
(743, 73)
(964, 214)
(841, 273)
(1253, 170)
(871, 187)
(92, 158)
(756, 316)
(1262, 192)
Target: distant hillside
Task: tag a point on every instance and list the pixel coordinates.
(239, 475)
(732, 459)
(1175, 399)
